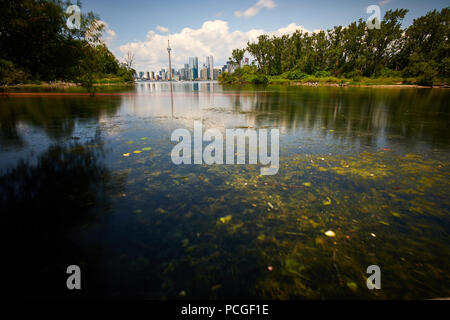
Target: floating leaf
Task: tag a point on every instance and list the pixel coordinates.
(307, 184)
(225, 219)
(185, 242)
(395, 214)
(215, 287)
(146, 149)
(144, 138)
(126, 154)
(138, 211)
(327, 202)
(161, 211)
(137, 151)
(352, 286)
(270, 205)
(330, 233)
(130, 142)
(320, 241)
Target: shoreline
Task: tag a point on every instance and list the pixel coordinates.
(8, 89)
(310, 84)
(62, 85)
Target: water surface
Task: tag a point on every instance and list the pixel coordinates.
(370, 164)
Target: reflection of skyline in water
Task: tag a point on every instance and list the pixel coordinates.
(369, 116)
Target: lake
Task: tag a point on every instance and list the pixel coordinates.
(89, 181)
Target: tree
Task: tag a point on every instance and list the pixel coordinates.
(236, 57)
(129, 59)
(36, 44)
(420, 51)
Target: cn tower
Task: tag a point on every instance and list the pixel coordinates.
(170, 60)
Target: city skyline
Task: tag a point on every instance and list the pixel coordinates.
(190, 71)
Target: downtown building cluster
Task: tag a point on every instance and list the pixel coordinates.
(190, 72)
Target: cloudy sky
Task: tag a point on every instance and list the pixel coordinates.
(212, 27)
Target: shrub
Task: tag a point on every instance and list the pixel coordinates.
(260, 79)
(296, 75)
(9, 74)
(322, 74)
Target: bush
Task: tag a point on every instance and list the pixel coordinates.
(322, 74)
(226, 78)
(295, 75)
(260, 79)
(425, 72)
(246, 74)
(9, 74)
(389, 73)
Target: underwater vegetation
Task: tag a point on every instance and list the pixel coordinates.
(363, 180)
(309, 232)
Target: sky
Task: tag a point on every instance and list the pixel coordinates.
(211, 27)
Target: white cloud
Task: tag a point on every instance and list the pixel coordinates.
(109, 36)
(384, 2)
(256, 8)
(212, 38)
(162, 29)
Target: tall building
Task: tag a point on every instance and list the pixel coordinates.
(193, 68)
(181, 73)
(186, 72)
(210, 67)
(216, 73)
(204, 74)
(170, 61)
(230, 67)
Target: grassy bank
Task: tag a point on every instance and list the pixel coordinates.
(67, 85)
(363, 81)
(250, 75)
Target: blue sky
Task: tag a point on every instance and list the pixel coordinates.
(132, 20)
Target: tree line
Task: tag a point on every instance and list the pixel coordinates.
(420, 53)
(37, 45)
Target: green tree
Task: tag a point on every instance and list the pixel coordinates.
(236, 57)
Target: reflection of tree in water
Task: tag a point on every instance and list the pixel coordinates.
(56, 116)
(354, 113)
(42, 206)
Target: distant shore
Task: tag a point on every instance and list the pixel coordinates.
(62, 85)
(71, 85)
(312, 84)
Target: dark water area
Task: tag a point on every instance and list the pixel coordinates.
(89, 181)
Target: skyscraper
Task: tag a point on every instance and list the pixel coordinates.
(210, 67)
(186, 72)
(204, 74)
(193, 68)
(170, 60)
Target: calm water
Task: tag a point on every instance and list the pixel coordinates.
(370, 164)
